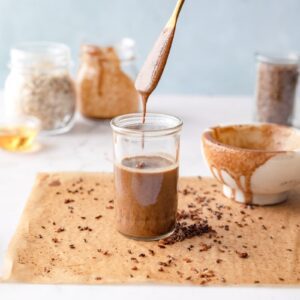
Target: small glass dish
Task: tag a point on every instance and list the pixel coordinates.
(18, 133)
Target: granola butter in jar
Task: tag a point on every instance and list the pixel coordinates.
(276, 85)
(106, 81)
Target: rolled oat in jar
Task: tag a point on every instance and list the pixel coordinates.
(40, 85)
(276, 85)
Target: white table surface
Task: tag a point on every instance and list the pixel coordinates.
(88, 147)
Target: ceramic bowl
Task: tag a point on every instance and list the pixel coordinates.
(257, 164)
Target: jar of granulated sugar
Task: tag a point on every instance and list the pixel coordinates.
(40, 85)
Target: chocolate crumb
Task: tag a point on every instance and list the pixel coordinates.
(55, 240)
(85, 240)
(161, 269)
(86, 228)
(200, 199)
(135, 268)
(218, 261)
(256, 281)
(151, 252)
(280, 278)
(106, 253)
(55, 183)
(242, 254)
(140, 165)
(183, 232)
(61, 229)
(67, 201)
(72, 246)
(190, 247)
(134, 259)
(98, 278)
(43, 227)
(204, 247)
(40, 236)
(185, 192)
(142, 255)
(129, 251)
(98, 217)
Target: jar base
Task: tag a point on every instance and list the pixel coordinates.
(148, 239)
(60, 130)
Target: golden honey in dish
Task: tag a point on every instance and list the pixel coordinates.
(17, 138)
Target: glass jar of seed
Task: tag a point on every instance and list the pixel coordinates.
(40, 85)
(276, 85)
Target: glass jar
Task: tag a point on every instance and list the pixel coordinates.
(146, 174)
(105, 80)
(40, 85)
(276, 85)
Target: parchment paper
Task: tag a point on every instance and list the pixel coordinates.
(67, 235)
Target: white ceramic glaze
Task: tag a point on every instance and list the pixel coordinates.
(275, 173)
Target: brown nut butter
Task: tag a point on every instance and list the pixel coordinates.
(146, 196)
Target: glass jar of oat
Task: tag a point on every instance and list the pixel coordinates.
(276, 85)
(105, 81)
(40, 85)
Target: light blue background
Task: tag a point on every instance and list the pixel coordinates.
(214, 45)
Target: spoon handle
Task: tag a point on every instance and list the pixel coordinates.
(173, 19)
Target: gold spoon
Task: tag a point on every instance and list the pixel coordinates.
(154, 65)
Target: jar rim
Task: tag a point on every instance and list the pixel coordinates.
(28, 53)
(289, 58)
(156, 124)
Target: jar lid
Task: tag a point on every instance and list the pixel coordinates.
(290, 58)
(32, 53)
(124, 50)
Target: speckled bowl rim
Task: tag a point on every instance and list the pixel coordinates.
(207, 135)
